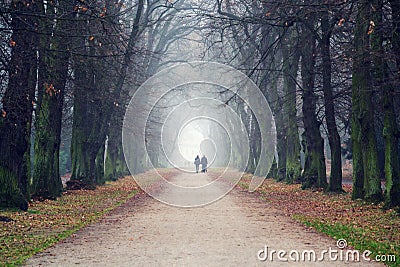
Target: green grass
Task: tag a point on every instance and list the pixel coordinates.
(356, 238)
(364, 226)
(51, 221)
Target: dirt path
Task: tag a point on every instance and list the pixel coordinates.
(229, 232)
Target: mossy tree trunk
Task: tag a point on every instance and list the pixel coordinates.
(246, 118)
(255, 142)
(122, 168)
(89, 127)
(86, 149)
(99, 162)
(90, 107)
(16, 115)
(97, 90)
(276, 104)
(290, 63)
(278, 168)
(390, 128)
(392, 166)
(110, 169)
(53, 75)
(269, 86)
(237, 147)
(82, 163)
(114, 168)
(115, 164)
(314, 175)
(366, 174)
(335, 181)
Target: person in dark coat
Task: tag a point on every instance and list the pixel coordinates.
(197, 163)
(204, 163)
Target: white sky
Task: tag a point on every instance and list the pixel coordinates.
(189, 141)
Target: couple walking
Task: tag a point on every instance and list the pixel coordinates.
(203, 163)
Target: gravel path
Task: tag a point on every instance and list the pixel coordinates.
(229, 232)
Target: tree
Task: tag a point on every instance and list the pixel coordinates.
(366, 174)
(314, 174)
(390, 130)
(16, 120)
(291, 57)
(335, 182)
(94, 101)
(53, 72)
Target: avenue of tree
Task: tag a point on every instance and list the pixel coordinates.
(330, 71)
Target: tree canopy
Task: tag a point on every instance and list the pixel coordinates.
(329, 70)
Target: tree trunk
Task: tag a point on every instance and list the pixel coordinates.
(290, 67)
(88, 134)
(110, 168)
(15, 123)
(269, 86)
(278, 168)
(93, 103)
(314, 174)
(390, 133)
(84, 144)
(46, 174)
(113, 165)
(390, 129)
(366, 174)
(114, 153)
(335, 181)
(99, 162)
(281, 131)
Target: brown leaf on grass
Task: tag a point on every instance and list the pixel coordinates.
(46, 220)
(371, 221)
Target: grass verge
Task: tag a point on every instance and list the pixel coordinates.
(364, 226)
(49, 221)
